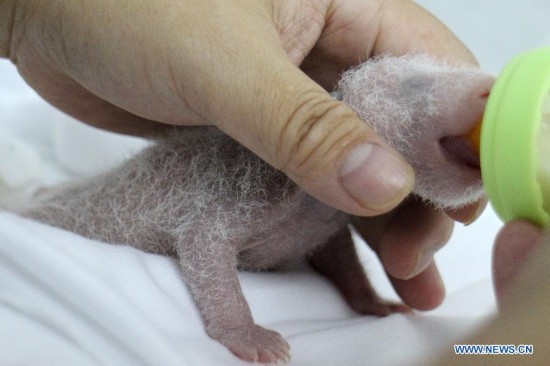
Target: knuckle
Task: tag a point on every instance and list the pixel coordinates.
(316, 132)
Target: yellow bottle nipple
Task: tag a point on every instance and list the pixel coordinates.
(475, 136)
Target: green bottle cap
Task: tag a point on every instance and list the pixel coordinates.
(515, 140)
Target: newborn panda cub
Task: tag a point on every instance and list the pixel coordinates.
(203, 198)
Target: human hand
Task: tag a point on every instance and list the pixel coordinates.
(521, 267)
(260, 71)
(406, 239)
(515, 244)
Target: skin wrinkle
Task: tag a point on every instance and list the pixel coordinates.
(348, 36)
(399, 114)
(177, 88)
(7, 25)
(334, 112)
(297, 42)
(51, 29)
(190, 24)
(342, 140)
(18, 29)
(305, 106)
(199, 195)
(343, 29)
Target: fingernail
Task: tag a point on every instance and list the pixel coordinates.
(376, 178)
(424, 258)
(477, 212)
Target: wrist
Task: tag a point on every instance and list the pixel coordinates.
(7, 21)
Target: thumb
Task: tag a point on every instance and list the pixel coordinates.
(317, 141)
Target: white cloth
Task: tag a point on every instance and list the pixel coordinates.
(66, 300)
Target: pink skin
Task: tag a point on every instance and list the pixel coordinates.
(425, 111)
(513, 247)
(198, 195)
(454, 145)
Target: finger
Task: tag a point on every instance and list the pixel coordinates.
(410, 238)
(513, 246)
(237, 76)
(468, 214)
(75, 100)
(425, 291)
(317, 141)
(392, 27)
(406, 27)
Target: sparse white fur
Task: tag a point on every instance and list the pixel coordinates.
(202, 197)
(406, 100)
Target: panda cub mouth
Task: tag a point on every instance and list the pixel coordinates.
(460, 150)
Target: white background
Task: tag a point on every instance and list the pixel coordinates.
(40, 145)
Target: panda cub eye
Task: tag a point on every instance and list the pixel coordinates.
(418, 84)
